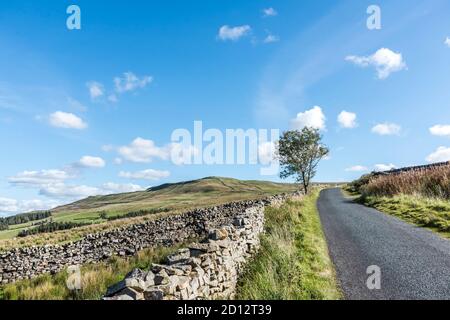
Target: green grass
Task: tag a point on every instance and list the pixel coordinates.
(95, 279)
(293, 262)
(424, 212)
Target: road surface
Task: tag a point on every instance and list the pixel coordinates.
(414, 262)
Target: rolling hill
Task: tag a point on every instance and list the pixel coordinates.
(101, 213)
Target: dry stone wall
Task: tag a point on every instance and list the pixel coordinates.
(26, 263)
(207, 270)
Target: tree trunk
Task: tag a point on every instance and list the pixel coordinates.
(305, 184)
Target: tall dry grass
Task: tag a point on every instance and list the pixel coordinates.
(433, 182)
(95, 279)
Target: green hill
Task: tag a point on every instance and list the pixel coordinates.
(105, 212)
(175, 194)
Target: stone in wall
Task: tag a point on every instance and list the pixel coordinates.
(207, 270)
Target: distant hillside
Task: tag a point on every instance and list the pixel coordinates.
(192, 191)
(111, 211)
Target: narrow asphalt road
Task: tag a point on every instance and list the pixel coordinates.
(414, 262)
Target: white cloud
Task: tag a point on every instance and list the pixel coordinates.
(386, 129)
(38, 178)
(96, 89)
(130, 82)
(62, 190)
(271, 38)
(13, 206)
(447, 42)
(143, 151)
(266, 152)
(91, 162)
(347, 119)
(313, 118)
(8, 205)
(440, 130)
(385, 167)
(111, 188)
(76, 192)
(233, 33)
(357, 169)
(385, 61)
(441, 154)
(148, 174)
(67, 120)
(270, 12)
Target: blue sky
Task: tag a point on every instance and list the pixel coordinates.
(92, 111)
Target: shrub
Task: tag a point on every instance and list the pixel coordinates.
(433, 182)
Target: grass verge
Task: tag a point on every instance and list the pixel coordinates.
(424, 212)
(293, 262)
(95, 279)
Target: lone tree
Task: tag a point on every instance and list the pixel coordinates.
(299, 153)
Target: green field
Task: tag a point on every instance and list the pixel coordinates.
(175, 197)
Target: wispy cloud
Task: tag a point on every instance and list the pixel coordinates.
(39, 178)
(270, 38)
(130, 82)
(233, 33)
(357, 168)
(269, 12)
(96, 89)
(385, 167)
(385, 62)
(74, 192)
(447, 42)
(67, 120)
(10, 206)
(149, 174)
(387, 129)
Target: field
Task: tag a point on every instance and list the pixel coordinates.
(171, 197)
(293, 262)
(421, 197)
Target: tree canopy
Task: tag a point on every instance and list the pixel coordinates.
(299, 153)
